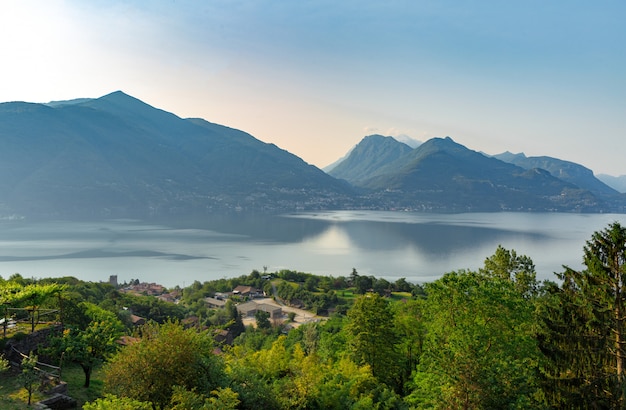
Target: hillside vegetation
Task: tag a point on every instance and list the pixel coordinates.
(494, 338)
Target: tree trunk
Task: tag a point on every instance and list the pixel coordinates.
(87, 371)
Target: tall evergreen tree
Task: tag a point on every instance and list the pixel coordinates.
(373, 338)
(584, 334)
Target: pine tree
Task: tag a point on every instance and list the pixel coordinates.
(584, 327)
(372, 337)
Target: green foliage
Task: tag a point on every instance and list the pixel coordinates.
(29, 377)
(409, 325)
(89, 345)
(4, 364)
(507, 265)
(18, 294)
(479, 347)
(284, 376)
(585, 331)
(372, 337)
(491, 339)
(150, 307)
(262, 319)
(221, 399)
(319, 303)
(110, 402)
(166, 355)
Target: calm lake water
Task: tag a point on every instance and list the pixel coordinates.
(420, 247)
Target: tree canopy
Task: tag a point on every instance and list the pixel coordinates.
(493, 338)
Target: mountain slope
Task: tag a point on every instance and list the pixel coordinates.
(617, 183)
(368, 156)
(117, 156)
(567, 171)
(441, 174)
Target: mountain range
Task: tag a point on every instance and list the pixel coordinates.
(443, 175)
(116, 156)
(617, 183)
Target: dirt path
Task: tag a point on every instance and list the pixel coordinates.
(302, 316)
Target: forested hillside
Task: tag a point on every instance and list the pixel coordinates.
(494, 338)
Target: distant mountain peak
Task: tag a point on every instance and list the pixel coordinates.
(411, 142)
(374, 137)
(373, 152)
(120, 97)
(508, 156)
(443, 143)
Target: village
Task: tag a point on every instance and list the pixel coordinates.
(249, 300)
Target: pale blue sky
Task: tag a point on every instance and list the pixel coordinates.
(314, 77)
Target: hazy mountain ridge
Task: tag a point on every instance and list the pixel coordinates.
(117, 156)
(566, 170)
(443, 175)
(617, 183)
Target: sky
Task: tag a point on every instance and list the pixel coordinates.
(315, 77)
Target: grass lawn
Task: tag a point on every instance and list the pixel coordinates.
(13, 396)
(397, 296)
(347, 294)
(75, 378)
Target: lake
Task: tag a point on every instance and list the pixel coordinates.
(417, 246)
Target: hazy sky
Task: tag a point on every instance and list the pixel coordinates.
(314, 77)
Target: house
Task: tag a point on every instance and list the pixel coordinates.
(223, 336)
(191, 321)
(137, 320)
(249, 309)
(215, 303)
(248, 291)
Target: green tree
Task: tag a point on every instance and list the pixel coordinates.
(479, 347)
(354, 275)
(401, 285)
(236, 324)
(584, 322)
(372, 337)
(262, 319)
(409, 325)
(220, 399)
(363, 284)
(506, 264)
(91, 345)
(29, 377)
(167, 355)
(28, 296)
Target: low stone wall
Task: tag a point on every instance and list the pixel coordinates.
(28, 343)
(56, 402)
(31, 343)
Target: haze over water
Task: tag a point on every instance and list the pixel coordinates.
(420, 247)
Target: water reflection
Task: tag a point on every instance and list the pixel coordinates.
(428, 238)
(420, 247)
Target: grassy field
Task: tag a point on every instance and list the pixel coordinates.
(13, 396)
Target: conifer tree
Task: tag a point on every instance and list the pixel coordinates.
(373, 338)
(584, 327)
